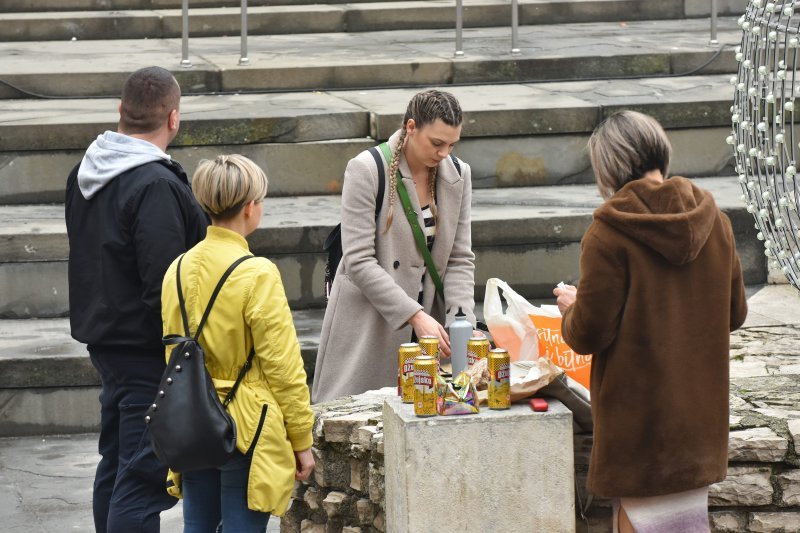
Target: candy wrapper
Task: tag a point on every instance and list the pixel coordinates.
(457, 397)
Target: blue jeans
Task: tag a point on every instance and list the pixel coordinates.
(130, 482)
(215, 500)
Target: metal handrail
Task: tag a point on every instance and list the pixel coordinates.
(185, 61)
(243, 59)
(713, 40)
(515, 27)
(460, 28)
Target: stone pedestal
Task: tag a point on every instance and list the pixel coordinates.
(510, 471)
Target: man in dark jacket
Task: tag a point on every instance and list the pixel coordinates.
(129, 213)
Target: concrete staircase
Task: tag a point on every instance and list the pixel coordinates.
(326, 81)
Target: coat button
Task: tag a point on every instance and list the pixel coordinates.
(396, 265)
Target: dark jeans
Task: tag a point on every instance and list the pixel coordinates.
(130, 483)
(218, 497)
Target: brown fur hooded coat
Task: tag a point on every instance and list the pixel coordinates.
(660, 291)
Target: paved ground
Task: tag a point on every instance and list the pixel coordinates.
(46, 486)
(45, 482)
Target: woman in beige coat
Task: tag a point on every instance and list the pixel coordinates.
(382, 295)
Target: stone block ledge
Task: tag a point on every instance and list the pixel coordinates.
(760, 494)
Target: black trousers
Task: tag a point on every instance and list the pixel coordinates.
(130, 482)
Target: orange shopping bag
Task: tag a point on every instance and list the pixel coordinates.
(547, 321)
(529, 332)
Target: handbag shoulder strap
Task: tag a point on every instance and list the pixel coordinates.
(240, 377)
(175, 340)
(211, 300)
(419, 236)
(381, 179)
(457, 163)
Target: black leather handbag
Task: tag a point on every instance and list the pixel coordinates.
(189, 427)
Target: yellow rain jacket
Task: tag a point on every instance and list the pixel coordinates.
(251, 310)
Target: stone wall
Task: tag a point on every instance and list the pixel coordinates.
(346, 493)
(760, 494)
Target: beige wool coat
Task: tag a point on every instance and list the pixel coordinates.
(377, 283)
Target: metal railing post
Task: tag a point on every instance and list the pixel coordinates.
(514, 27)
(459, 28)
(185, 61)
(713, 40)
(243, 59)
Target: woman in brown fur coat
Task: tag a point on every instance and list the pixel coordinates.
(660, 291)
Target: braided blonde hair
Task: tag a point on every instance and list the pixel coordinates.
(425, 108)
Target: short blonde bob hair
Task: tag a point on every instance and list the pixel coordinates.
(625, 147)
(226, 184)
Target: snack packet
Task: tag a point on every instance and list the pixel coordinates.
(479, 374)
(457, 397)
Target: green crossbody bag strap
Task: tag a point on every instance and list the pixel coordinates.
(422, 243)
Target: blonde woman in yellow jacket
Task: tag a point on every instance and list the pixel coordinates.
(271, 408)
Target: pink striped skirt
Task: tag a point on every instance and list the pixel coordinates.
(681, 512)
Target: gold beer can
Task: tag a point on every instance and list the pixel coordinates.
(425, 386)
(405, 370)
(499, 385)
(430, 347)
(477, 349)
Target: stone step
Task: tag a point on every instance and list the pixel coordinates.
(318, 18)
(369, 59)
(528, 236)
(48, 385)
(690, 8)
(27, 6)
(514, 135)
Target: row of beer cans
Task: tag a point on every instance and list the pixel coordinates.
(419, 364)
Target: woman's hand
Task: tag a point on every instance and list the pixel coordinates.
(565, 297)
(305, 464)
(425, 324)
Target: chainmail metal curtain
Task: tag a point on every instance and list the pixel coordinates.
(764, 140)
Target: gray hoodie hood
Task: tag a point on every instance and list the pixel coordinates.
(110, 155)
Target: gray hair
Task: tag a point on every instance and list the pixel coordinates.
(625, 147)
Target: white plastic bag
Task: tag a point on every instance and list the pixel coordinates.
(512, 330)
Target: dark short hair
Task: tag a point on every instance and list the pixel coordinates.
(148, 97)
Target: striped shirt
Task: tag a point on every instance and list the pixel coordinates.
(429, 230)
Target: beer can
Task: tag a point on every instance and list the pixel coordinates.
(425, 386)
(499, 385)
(430, 347)
(405, 370)
(477, 349)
